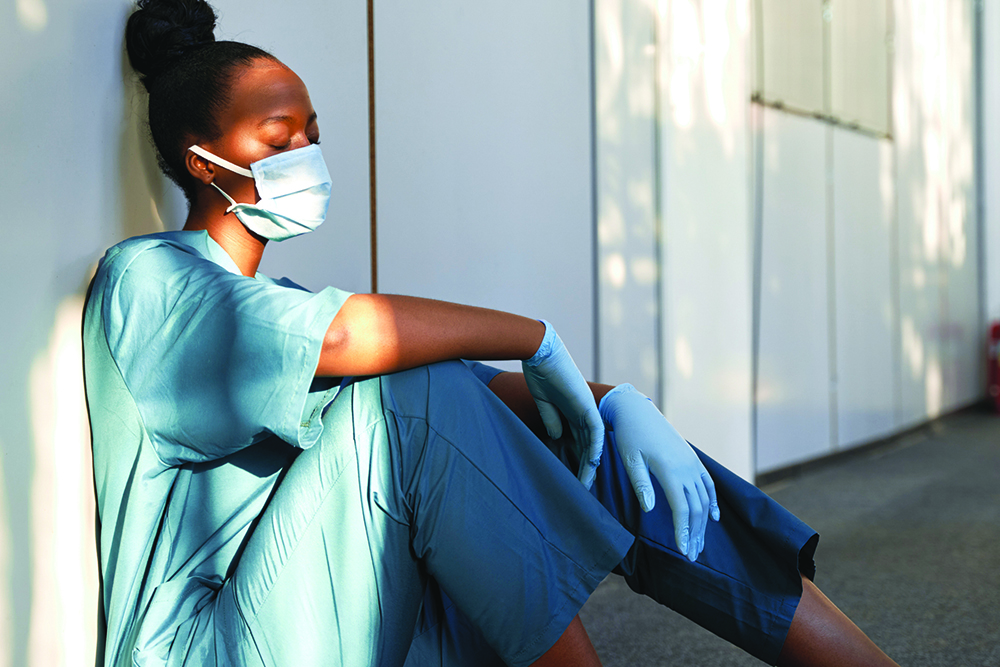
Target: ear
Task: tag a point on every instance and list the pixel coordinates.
(199, 167)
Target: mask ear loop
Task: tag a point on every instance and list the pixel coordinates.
(215, 159)
(225, 164)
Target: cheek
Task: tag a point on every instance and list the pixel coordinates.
(240, 188)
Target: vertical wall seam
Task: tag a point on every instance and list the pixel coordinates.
(831, 292)
(757, 221)
(895, 276)
(831, 258)
(659, 295)
(372, 191)
(979, 147)
(595, 249)
(757, 138)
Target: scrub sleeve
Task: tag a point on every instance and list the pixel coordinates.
(744, 587)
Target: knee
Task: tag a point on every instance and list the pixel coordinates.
(415, 391)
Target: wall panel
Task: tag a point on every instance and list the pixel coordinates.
(484, 158)
(793, 385)
(706, 229)
(863, 210)
(627, 259)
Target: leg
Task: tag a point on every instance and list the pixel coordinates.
(745, 585)
(573, 649)
(822, 635)
(418, 474)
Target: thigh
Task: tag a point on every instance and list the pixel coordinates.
(418, 474)
(327, 577)
(505, 530)
(445, 637)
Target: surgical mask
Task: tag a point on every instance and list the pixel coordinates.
(294, 189)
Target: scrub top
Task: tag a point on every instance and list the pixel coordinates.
(190, 367)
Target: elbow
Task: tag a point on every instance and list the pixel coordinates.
(334, 352)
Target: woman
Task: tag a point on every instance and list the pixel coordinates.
(295, 478)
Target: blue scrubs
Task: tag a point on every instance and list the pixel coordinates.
(744, 587)
(252, 516)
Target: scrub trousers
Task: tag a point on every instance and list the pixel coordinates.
(429, 526)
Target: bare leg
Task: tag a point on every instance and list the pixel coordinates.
(573, 648)
(822, 635)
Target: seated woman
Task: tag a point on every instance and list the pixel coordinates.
(289, 478)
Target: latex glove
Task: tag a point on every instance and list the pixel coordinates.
(647, 442)
(557, 386)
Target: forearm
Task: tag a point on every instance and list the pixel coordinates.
(513, 391)
(374, 334)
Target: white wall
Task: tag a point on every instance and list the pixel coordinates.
(674, 226)
(793, 381)
(940, 335)
(868, 325)
(990, 16)
(628, 211)
(706, 227)
(484, 158)
(863, 217)
(869, 317)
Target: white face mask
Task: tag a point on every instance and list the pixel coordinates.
(294, 189)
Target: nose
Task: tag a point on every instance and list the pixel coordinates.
(300, 140)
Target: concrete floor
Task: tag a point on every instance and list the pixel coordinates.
(909, 549)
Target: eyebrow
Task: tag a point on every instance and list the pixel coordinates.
(281, 119)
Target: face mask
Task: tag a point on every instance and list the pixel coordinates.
(294, 189)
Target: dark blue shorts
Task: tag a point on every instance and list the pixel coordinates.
(744, 587)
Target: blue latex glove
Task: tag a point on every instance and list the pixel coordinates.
(647, 442)
(557, 386)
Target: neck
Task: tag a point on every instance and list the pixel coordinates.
(243, 246)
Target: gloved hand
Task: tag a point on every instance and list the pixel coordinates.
(557, 386)
(646, 441)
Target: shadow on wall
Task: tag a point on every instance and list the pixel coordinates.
(48, 554)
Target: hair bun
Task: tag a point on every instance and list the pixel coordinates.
(161, 31)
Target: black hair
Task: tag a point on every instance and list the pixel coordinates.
(171, 44)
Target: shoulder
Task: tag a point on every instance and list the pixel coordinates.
(154, 262)
(179, 245)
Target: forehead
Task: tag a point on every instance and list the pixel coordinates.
(264, 90)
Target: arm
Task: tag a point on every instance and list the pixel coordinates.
(374, 334)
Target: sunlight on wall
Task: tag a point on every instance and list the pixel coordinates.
(716, 50)
(32, 14)
(64, 585)
(685, 52)
(684, 358)
(913, 348)
(935, 389)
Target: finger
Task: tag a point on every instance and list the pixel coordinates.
(594, 432)
(586, 474)
(587, 469)
(713, 500)
(635, 466)
(550, 417)
(696, 514)
(681, 513)
(703, 497)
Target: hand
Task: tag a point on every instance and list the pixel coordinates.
(646, 441)
(557, 386)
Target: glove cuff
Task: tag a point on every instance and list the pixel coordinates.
(609, 402)
(545, 349)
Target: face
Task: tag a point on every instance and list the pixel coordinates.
(269, 113)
